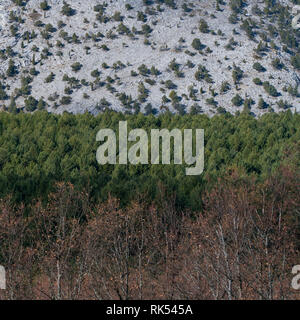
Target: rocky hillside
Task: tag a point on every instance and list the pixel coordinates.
(149, 56)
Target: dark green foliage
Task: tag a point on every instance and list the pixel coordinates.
(154, 71)
(293, 91)
(31, 104)
(237, 100)
(233, 18)
(196, 109)
(12, 105)
(146, 29)
(295, 61)
(283, 104)
(12, 70)
(262, 104)
(128, 6)
(221, 110)
(141, 16)
(170, 3)
(76, 66)
(122, 29)
(49, 28)
(237, 74)
(67, 10)
(257, 81)
(143, 70)
(95, 73)
(203, 74)
(197, 45)
(248, 28)
(65, 100)
(50, 78)
(3, 95)
(258, 67)
(277, 64)
(203, 26)
(117, 16)
(41, 104)
(211, 102)
(149, 109)
(225, 87)
(44, 148)
(33, 72)
(236, 5)
(170, 84)
(44, 5)
(270, 89)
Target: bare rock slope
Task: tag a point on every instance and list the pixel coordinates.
(149, 56)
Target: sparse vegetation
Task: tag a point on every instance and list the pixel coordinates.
(215, 58)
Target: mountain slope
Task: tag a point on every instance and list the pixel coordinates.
(149, 56)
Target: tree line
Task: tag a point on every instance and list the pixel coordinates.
(39, 150)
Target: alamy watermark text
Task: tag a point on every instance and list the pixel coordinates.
(138, 153)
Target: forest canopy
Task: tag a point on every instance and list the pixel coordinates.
(38, 150)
